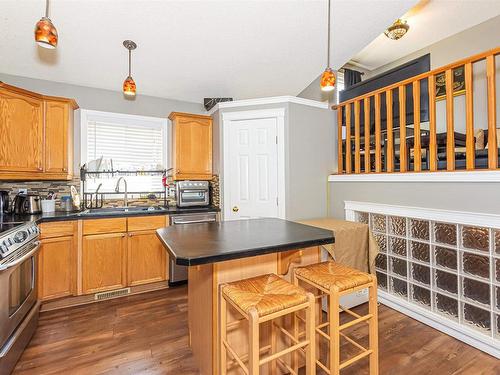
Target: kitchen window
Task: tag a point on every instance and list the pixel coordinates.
(112, 141)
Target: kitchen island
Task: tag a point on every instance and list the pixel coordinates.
(218, 253)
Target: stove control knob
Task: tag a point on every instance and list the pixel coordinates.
(20, 236)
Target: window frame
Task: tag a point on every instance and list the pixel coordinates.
(91, 115)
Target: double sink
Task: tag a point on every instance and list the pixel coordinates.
(121, 210)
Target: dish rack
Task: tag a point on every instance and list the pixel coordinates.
(93, 200)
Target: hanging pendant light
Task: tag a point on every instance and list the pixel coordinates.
(327, 81)
(45, 31)
(397, 30)
(129, 87)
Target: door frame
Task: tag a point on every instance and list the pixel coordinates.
(227, 119)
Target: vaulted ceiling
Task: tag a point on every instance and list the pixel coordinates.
(188, 50)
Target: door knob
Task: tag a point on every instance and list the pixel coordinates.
(235, 209)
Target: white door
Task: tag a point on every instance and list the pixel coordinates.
(253, 169)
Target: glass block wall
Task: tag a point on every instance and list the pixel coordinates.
(450, 269)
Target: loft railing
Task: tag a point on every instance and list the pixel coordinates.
(377, 134)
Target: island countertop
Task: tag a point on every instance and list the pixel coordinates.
(196, 244)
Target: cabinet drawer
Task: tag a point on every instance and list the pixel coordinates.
(57, 229)
(146, 223)
(97, 226)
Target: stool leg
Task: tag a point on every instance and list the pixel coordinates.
(253, 343)
(274, 348)
(295, 329)
(223, 335)
(334, 320)
(373, 324)
(311, 336)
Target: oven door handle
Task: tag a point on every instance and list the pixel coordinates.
(195, 191)
(5, 267)
(194, 221)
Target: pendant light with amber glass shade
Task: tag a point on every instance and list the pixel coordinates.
(327, 81)
(45, 31)
(129, 87)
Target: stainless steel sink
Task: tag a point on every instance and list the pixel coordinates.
(121, 210)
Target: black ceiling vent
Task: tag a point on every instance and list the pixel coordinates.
(209, 103)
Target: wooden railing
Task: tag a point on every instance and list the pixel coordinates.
(375, 153)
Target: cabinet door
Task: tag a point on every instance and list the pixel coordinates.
(21, 134)
(104, 262)
(57, 129)
(147, 258)
(56, 268)
(193, 148)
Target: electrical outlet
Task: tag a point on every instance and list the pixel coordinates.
(23, 191)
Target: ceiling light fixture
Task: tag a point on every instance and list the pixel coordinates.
(129, 87)
(327, 81)
(45, 31)
(397, 30)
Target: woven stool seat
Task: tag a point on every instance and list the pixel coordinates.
(330, 275)
(267, 294)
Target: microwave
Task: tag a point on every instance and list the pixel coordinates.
(192, 193)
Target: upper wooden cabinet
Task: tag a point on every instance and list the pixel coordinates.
(192, 146)
(37, 135)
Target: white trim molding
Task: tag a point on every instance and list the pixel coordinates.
(269, 100)
(448, 216)
(227, 118)
(439, 176)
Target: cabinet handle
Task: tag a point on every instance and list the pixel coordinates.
(40, 168)
(65, 169)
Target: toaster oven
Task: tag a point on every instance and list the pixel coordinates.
(192, 193)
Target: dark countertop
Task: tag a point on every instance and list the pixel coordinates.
(196, 244)
(66, 216)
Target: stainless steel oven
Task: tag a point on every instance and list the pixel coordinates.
(18, 292)
(192, 193)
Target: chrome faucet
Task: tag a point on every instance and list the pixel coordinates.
(117, 190)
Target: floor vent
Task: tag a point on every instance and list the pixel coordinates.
(112, 294)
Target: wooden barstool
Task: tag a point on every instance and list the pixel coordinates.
(262, 299)
(334, 280)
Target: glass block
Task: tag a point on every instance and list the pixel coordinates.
(381, 261)
(420, 251)
(399, 287)
(421, 295)
(399, 266)
(381, 241)
(497, 241)
(476, 265)
(497, 270)
(445, 233)
(382, 280)
(378, 222)
(419, 229)
(476, 238)
(398, 246)
(398, 225)
(476, 291)
(445, 257)
(498, 324)
(363, 217)
(477, 317)
(421, 273)
(446, 281)
(447, 305)
(498, 297)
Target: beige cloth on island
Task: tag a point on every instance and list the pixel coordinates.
(354, 245)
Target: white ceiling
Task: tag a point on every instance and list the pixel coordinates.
(430, 21)
(188, 50)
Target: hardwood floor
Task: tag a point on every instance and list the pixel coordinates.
(147, 334)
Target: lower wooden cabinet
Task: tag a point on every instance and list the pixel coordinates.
(147, 258)
(104, 262)
(56, 268)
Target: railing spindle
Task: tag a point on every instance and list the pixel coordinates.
(378, 148)
(357, 140)
(492, 117)
(469, 119)
(340, 153)
(417, 145)
(402, 129)
(348, 151)
(367, 135)
(390, 134)
(450, 128)
(432, 157)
